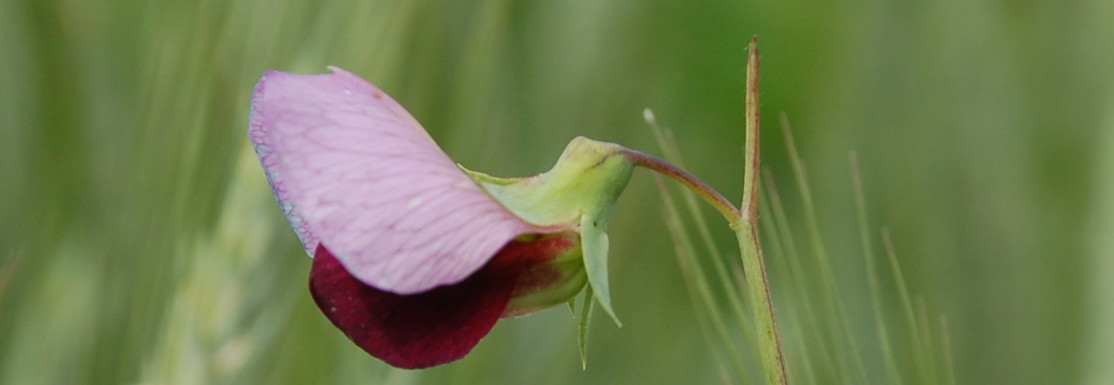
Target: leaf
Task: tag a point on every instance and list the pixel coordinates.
(585, 322)
(594, 241)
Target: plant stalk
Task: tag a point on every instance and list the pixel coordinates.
(745, 224)
(746, 230)
(693, 183)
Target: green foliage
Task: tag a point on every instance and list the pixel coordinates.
(830, 336)
(138, 244)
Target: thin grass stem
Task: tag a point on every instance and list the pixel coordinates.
(949, 364)
(744, 223)
(821, 346)
(872, 271)
(832, 299)
(698, 286)
(668, 145)
(779, 253)
(919, 350)
(926, 336)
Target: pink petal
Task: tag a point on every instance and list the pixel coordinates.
(354, 171)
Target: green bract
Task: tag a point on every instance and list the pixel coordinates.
(577, 193)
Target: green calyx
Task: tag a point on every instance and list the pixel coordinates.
(577, 193)
(551, 283)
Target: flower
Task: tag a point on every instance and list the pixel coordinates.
(414, 258)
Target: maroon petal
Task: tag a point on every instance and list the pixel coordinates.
(434, 327)
(411, 331)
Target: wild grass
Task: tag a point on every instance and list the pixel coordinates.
(829, 352)
(139, 244)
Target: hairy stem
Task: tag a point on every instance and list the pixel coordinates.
(746, 229)
(745, 224)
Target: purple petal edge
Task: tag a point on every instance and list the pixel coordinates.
(352, 170)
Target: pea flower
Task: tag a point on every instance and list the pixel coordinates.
(414, 257)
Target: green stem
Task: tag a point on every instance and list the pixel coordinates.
(773, 360)
(746, 230)
(693, 183)
(744, 223)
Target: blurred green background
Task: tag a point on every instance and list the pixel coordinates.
(140, 243)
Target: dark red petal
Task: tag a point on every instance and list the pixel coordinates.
(412, 331)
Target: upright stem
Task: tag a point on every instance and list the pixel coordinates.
(746, 230)
(745, 224)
